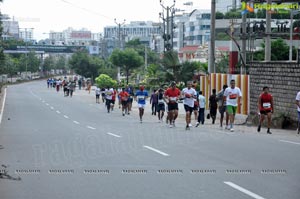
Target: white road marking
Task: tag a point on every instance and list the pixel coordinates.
(47, 104)
(58, 112)
(76, 122)
(43, 101)
(3, 103)
(290, 142)
(114, 135)
(157, 151)
(245, 191)
(90, 127)
(52, 107)
(65, 116)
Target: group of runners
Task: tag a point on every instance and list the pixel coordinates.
(59, 84)
(166, 99)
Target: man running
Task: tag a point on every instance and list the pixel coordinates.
(213, 105)
(141, 96)
(108, 98)
(124, 100)
(298, 109)
(265, 108)
(231, 95)
(129, 90)
(189, 95)
(153, 101)
(160, 105)
(222, 107)
(97, 92)
(171, 96)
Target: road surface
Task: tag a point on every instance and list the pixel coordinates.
(62, 147)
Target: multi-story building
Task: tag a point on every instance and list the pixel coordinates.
(191, 29)
(10, 28)
(144, 31)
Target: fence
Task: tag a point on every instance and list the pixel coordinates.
(217, 80)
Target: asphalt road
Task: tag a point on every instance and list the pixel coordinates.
(64, 147)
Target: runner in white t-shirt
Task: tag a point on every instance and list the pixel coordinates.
(189, 95)
(232, 95)
(298, 109)
(108, 98)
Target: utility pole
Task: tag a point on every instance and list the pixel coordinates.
(166, 35)
(268, 32)
(211, 64)
(119, 45)
(244, 40)
(119, 33)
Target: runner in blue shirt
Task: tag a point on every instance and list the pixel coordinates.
(141, 96)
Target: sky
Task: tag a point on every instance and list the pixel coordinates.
(57, 15)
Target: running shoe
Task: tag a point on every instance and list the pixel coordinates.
(258, 128)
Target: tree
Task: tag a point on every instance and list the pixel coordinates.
(10, 66)
(127, 59)
(84, 65)
(49, 63)
(1, 43)
(279, 51)
(171, 64)
(33, 62)
(219, 15)
(106, 67)
(155, 75)
(104, 81)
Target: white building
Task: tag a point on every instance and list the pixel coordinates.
(144, 31)
(196, 28)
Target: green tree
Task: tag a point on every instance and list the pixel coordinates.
(152, 57)
(33, 62)
(219, 15)
(233, 14)
(106, 67)
(83, 64)
(279, 51)
(104, 81)
(222, 36)
(10, 66)
(127, 59)
(155, 75)
(1, 44)
(49, 63)
(171, 65)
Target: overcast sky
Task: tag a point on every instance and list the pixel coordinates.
(58, 15)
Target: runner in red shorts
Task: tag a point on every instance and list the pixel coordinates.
(265, 108)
